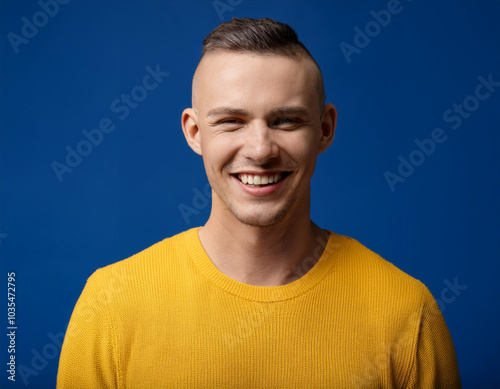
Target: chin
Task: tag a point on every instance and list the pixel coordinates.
(262, 220)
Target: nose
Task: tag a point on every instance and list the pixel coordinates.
(260, 145)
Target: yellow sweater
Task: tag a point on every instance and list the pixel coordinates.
(168, 318)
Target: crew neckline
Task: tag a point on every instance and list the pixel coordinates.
(263, 293)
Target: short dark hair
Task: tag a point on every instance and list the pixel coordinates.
(264, 36)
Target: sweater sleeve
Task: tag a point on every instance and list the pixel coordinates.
(434, 363)
(88, 356)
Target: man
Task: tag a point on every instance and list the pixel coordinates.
(260, 296)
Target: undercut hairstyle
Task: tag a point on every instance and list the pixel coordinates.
(260, 36)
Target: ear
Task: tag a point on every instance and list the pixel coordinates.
(328, 122)
(191, 130)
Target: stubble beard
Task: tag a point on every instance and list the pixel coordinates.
(262, 221)
(258, 219)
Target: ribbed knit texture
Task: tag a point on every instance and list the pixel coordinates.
(168, 318)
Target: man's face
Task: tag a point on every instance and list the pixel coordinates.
(257, 123)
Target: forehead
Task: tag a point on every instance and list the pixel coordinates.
(247, 80)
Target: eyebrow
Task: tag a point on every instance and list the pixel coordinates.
(227, 111)
(280, 111)
(293, 110)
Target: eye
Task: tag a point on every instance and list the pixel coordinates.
(286, 122)
(228, 122)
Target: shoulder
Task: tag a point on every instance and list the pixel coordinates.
(160, 259)
(376, 281)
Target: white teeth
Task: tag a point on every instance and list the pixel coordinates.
(253, 179)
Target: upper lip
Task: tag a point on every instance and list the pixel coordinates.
(260, 173)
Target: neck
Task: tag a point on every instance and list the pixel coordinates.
(263, 256)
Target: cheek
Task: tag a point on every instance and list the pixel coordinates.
(302, 147)
(217, 151)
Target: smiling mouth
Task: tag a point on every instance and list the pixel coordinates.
(261, 180)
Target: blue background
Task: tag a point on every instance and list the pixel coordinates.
(441, 223)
